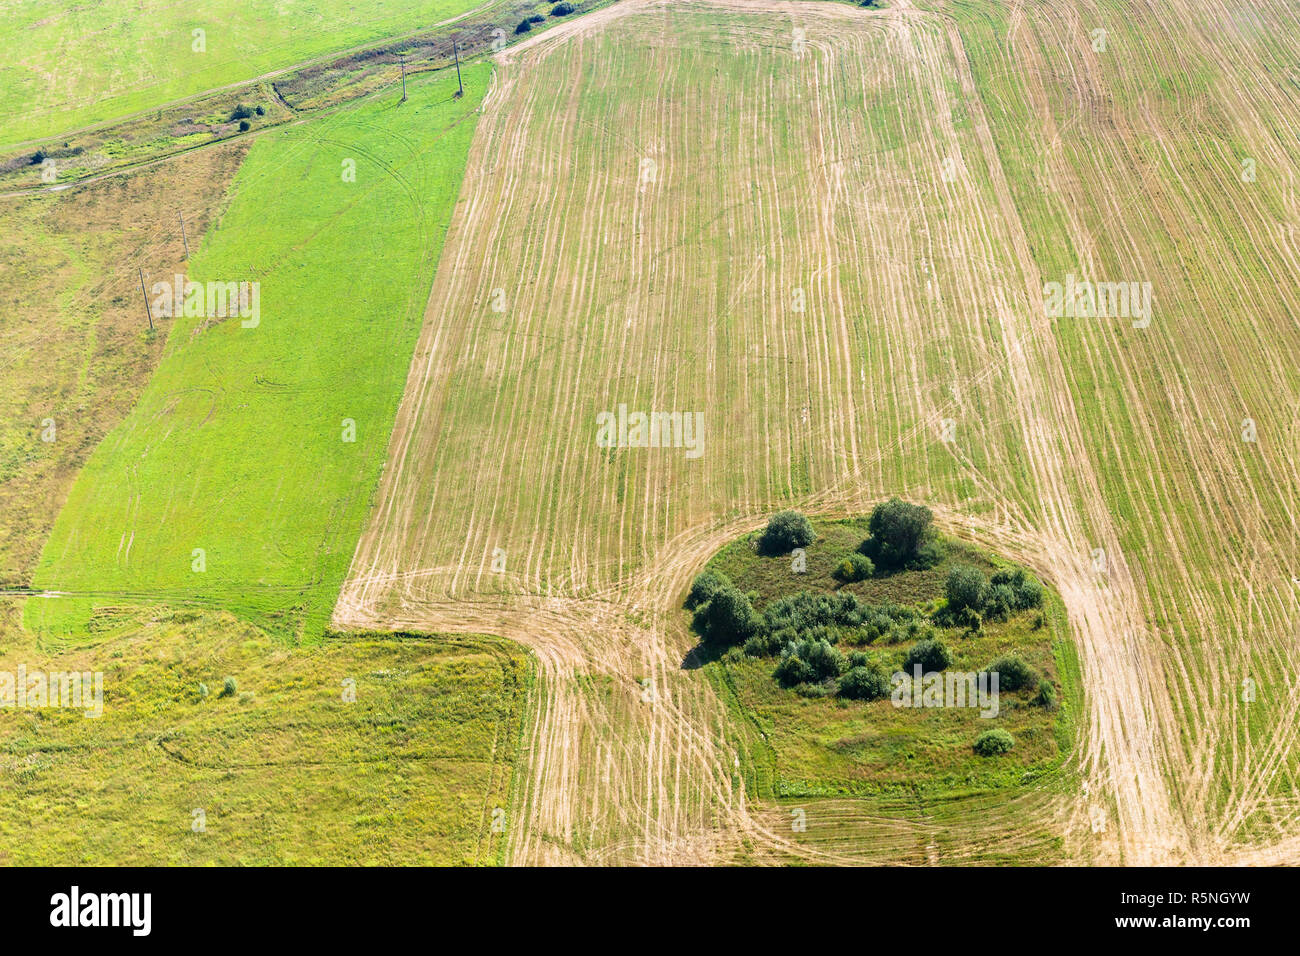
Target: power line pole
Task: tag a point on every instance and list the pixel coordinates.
(184, 238)
(456, 51)
(147, 310)
(402, 58)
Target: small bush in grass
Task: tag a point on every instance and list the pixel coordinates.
(994, 742)
(864, 683)
(932, 654)
(561, 9)
(524, 27)
(786, 531)
(537, 18)
(229, 687)
(1046, 694)
(856, 567)
(1013, 673)
(240, 112)
(38, 157)
(859, 659)
(244, 126)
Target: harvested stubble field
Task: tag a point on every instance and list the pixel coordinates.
(829, 230)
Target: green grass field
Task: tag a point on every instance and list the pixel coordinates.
(284, 771)
(75, 348)
(72, 64)
(237, 458)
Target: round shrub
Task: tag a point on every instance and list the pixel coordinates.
(864, 683)
(786, 531)
(932, 654)
(994, 742)
(229, 688)
(524, 27)
(561, 9)
(244, 126)
(1013, 673)
(965, 588)
(856, 567)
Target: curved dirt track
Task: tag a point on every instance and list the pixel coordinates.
(645, 249)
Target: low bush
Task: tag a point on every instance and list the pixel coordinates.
(856, 567)
(994, 742)
(932, 654)
(864, 683)
(1013, 673)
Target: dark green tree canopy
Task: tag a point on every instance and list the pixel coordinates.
(901, 536)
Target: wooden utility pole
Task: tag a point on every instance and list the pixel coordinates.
(456, 51)
(402, 58)
(184, 238)
(147, 310)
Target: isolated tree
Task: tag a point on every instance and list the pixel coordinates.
(901, 535)
(786, 531)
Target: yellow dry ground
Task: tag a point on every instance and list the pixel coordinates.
(827, 229)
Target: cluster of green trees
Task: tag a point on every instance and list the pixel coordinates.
(559, 10)
(974, 598)
(803, 631)
(816, 663)
(725, 617)
(901, 537)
